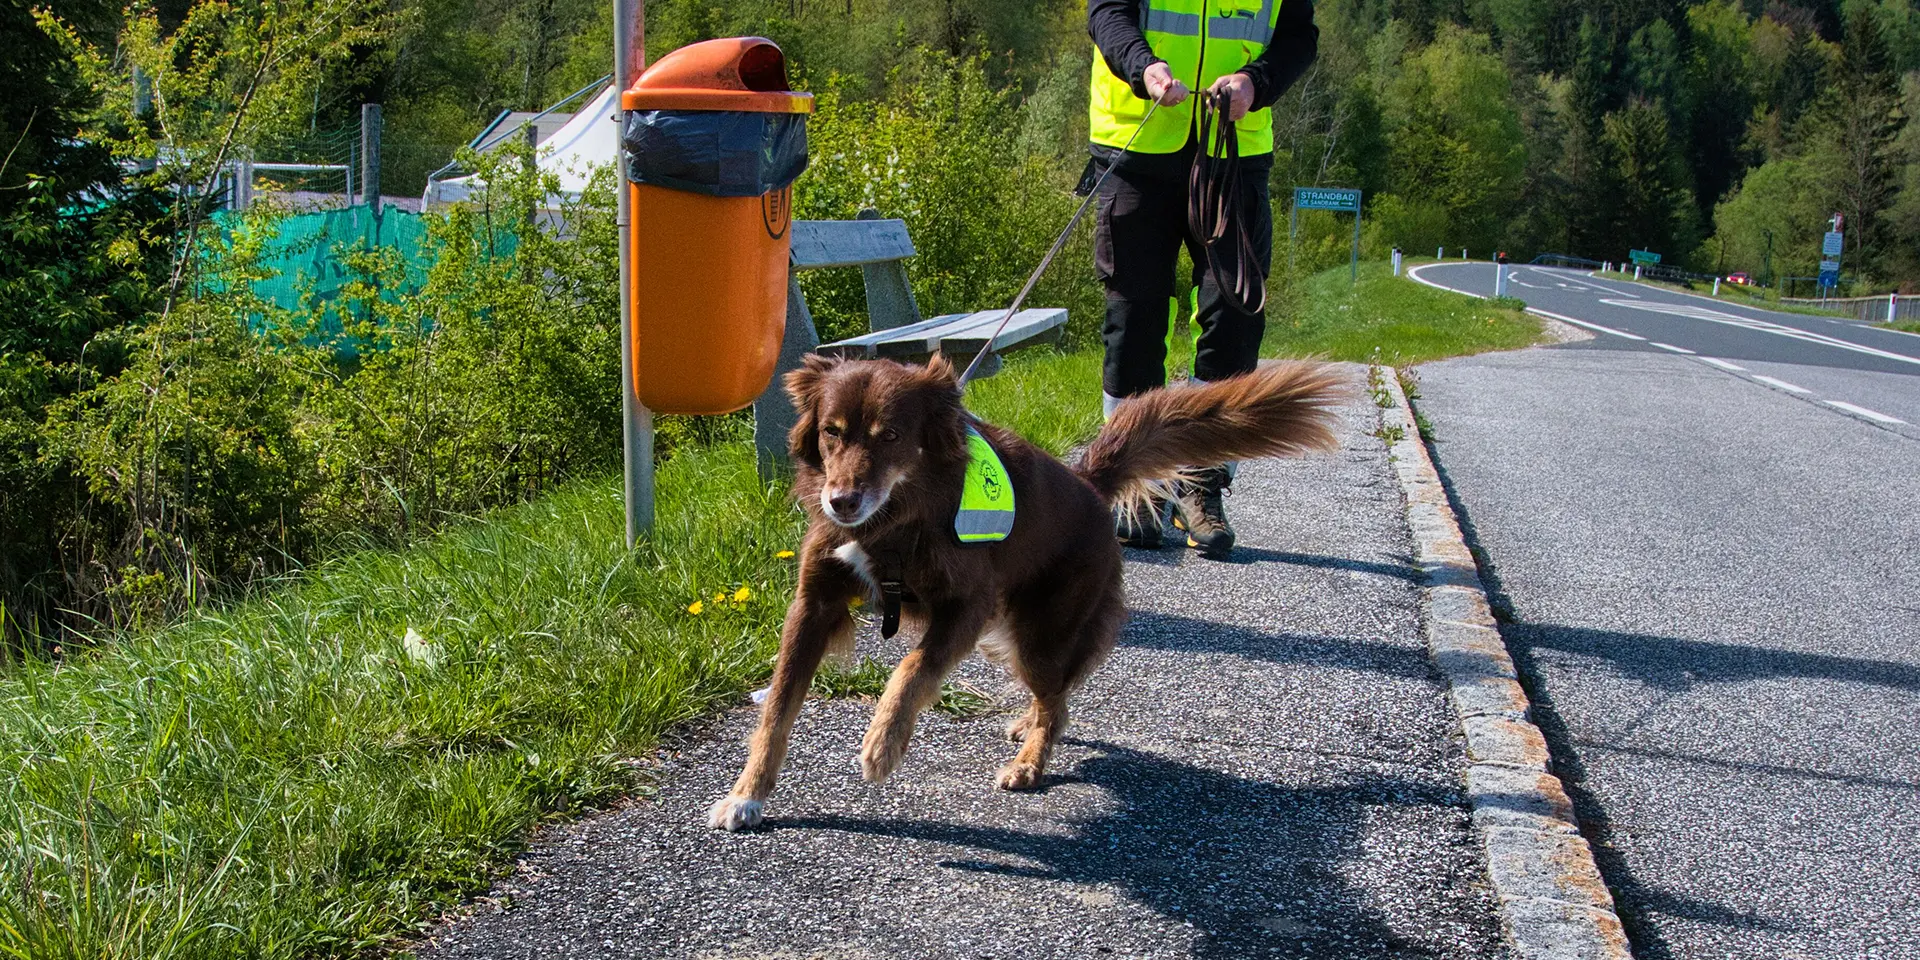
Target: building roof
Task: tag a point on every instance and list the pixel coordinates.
(508, 125)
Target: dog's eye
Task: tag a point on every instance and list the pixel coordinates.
(831, 430)
(889, 436)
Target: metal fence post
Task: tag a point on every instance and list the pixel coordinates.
(629, 58)
(370, 156)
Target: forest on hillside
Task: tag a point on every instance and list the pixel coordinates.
(1723, 134)
(166, 436)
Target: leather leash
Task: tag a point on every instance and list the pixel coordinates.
(1213, 197)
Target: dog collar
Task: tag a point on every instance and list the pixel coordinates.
(986, 501)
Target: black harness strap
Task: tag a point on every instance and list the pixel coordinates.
(893, 589)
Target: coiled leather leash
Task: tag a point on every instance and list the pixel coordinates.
(1213, 200)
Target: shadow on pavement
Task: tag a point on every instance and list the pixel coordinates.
(1266, 878)
(1163, 631)
(1675, 665)
(1402, 571)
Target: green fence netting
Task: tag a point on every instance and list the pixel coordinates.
(310, 253)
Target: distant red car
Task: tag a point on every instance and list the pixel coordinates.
(1740, 278)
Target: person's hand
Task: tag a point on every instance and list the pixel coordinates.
(1163, 89)
(1239, 91)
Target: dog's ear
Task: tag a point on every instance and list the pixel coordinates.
(944, 426)
(806, 386)
(803, 384)
(939, 372)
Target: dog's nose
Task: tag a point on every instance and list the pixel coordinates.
(844, 504)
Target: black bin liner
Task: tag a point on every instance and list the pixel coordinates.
(718, 153)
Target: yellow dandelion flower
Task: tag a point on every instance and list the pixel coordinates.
(696, 607)
(784, 555)
(741, 595)
(720, 597)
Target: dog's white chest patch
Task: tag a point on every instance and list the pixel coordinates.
(851, 555)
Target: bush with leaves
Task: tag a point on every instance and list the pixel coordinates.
(983, 197)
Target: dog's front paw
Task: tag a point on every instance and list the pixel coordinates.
(1018, 776)
(878, 759)
(734, 814)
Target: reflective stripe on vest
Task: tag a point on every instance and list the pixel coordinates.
(1235, 32)
(986, 502)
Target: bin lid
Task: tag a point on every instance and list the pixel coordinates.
(733, 73)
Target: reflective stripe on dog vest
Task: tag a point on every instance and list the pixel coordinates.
(986, 503)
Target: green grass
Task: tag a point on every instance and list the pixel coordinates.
(1392, 320)
(290, 776)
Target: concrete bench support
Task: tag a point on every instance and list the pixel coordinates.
(878, 248)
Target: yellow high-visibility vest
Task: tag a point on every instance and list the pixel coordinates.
(1201, 41)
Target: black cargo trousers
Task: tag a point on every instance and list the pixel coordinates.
(1141, 224)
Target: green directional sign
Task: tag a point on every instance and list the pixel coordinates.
(1643, 256)
(1326, 198)
(1340, 199)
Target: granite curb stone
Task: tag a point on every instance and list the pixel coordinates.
(1554, 905)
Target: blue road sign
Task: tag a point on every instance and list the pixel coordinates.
(1326, 198)
(1834, 242)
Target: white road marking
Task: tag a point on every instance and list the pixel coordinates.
(1613, 290)
(1722, 364)
(1761, 326)
(1669, 346)
(1904, 333)
(1782, 384)
(1863, 411)
(1583, 323)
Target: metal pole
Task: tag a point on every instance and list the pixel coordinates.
(629, 58)
(1293, 227)
(1355, 271)
(370, 156)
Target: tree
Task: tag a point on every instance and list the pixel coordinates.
(1455, 135)
(1653, 208)
(1852, 138)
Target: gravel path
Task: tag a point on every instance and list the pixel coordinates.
(1266, 767)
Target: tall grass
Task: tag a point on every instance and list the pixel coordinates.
(295, 777)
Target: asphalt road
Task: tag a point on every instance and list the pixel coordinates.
(1267, 767)
(1712, 587)
(1833, 360)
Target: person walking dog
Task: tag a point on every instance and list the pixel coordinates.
(1243, 54)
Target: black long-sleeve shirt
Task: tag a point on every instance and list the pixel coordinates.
(1115, 27)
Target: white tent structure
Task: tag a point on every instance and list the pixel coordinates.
(591, 139)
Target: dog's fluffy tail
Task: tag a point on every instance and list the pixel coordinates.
(1281, 408)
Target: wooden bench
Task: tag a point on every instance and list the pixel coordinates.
(898, 332)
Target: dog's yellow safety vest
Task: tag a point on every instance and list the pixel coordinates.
(1201, 41)
(986, 503)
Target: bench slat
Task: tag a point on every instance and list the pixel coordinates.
(957, 334)
(1040, 325)
(818, 244)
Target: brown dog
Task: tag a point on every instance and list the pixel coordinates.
(881, 453)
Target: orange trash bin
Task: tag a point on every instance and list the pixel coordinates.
(714, 139)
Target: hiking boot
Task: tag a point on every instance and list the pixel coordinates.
(1197, 510)
(1138, 525)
